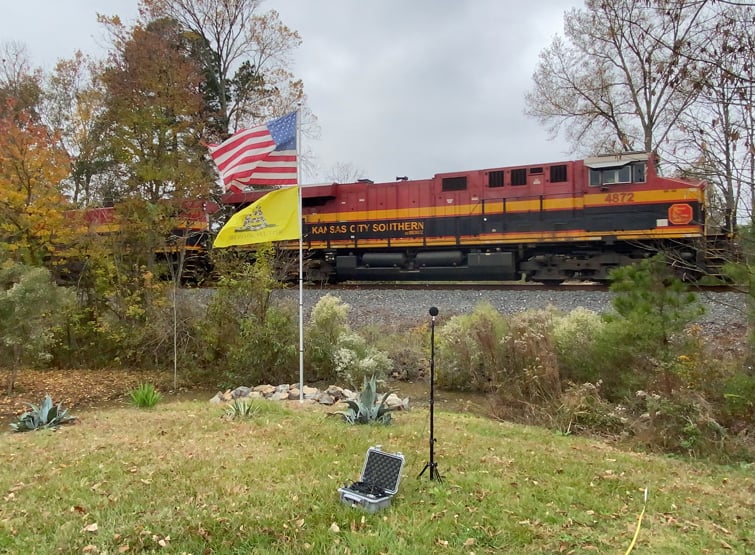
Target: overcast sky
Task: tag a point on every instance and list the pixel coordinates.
(399, 87)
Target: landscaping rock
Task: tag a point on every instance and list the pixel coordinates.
(286, 392)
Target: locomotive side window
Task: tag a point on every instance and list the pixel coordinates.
(455, 183)
(495, 179)
(519, 177)
(638, 169)
(594, 178)
(558, 173)
(611, 176)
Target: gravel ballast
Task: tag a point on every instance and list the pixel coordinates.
(410, 306)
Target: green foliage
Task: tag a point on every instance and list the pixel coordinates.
(355, 359)
(469, 349)
(244, 337)
(31, 306)
(652, 307)
(366, 409)
(46, 415)
(328, 322)
(738, 391)
(145, 396)
(574, 338)
(241, 409)
(267, 350)
(333, 351)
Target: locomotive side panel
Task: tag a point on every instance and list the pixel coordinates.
(549, 222)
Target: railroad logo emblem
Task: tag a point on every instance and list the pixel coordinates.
(680, 214)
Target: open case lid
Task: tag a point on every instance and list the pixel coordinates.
(383, 469)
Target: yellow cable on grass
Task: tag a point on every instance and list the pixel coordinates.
(639, 524)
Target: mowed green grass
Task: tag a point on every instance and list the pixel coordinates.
(180, 479)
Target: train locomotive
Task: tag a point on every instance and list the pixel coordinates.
(543, 222)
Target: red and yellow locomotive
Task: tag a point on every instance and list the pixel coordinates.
(545, 222)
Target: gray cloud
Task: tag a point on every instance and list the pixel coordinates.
(399, 87)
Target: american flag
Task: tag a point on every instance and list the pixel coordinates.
(262, 155)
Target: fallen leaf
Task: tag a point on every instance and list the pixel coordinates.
(90, 527)
(334, 528)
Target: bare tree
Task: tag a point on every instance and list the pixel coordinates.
(622, 76)
(344, 173)
(20, 84)
(720, 127)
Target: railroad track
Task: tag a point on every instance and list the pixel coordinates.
(489, 286)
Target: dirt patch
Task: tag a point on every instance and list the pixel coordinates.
(75, 389)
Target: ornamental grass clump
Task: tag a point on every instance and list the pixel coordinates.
(46, 415)
(145, 396)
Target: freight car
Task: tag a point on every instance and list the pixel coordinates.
(542, 222)
(186, 246)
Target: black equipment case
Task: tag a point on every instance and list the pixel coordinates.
(378, 482)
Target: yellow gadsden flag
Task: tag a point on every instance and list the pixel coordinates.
(274, 217)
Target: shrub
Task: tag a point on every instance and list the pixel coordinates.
(528, 373)
(656, 306)
(355, 359)
(267, 350)
(683, 423)
(327, 324)
(145, 396)
(30, 312)
(365, 409)
(407, 349)
(574, 337)
(469, 349)
(581, 409)
(46, 415)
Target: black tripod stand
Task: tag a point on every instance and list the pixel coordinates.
(432, 465)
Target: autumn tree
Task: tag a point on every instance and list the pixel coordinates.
(245, 57)
(622, 74)
(73, 106)
(154, 114)
(31, 205)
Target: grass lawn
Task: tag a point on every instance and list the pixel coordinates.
(179, 478)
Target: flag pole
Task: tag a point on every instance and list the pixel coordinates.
(301, 258)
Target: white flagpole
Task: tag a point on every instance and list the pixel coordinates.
(301, 259)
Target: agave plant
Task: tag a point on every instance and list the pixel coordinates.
(46, 415)
(241, 409)
(365, 409)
